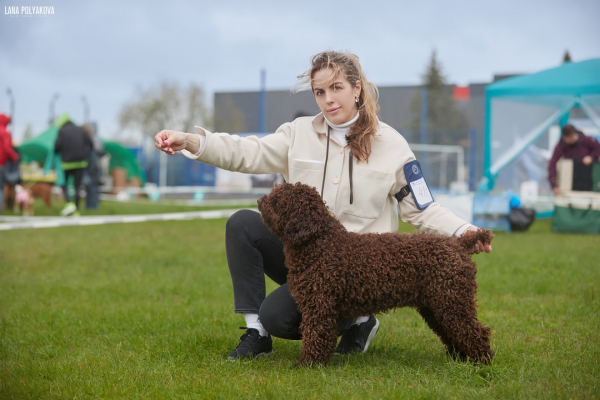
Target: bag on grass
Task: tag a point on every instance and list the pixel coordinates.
(521, 218)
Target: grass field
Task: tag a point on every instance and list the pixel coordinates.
(145, 311)
(140, 206)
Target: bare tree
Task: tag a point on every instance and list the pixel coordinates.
(166, 106)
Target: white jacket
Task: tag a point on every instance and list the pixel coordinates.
(297, 150)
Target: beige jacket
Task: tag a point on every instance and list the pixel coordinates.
(297, 150)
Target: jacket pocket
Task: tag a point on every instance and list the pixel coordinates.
(370, 191)
(308, 172)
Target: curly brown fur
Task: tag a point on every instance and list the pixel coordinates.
(335, 273)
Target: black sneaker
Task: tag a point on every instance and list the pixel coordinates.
(252, 345)
(357, 338)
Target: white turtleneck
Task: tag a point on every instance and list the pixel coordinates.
(340, 131)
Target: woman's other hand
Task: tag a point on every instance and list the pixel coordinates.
(479, 247)
(172, 141)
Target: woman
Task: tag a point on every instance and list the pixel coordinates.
(356, 162)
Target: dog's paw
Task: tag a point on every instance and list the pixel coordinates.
(310, 364)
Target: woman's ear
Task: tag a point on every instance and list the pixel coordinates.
(357, 89)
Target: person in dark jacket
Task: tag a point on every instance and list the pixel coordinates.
(573, 145)
(94, 169)
(74, 146)
(6, 152)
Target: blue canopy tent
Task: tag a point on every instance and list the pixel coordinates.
(520, 112)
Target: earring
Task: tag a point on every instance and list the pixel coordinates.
(356, 99)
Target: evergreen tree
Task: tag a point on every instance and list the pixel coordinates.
(567, 57)
(445, 122)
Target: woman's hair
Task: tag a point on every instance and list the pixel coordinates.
(347, 65)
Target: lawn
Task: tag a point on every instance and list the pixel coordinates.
(139, 206)
(144, 310)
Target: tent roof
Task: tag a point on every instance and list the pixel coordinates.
(38, 147)
(574, 78)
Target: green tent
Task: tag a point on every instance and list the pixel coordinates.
(41, 150)
(122, 157)
(520, 112)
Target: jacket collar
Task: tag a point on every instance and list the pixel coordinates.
(319, 124)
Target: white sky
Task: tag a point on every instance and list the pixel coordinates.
(104, 50)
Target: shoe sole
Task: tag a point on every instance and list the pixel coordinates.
(256, 357)
(68, 211)
(371, 335)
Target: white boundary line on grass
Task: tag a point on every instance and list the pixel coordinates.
(54, 222)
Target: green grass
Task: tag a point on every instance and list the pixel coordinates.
(139, 206)
(145, 311)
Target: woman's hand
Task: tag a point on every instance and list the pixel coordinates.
(172, 141)
(479, 247)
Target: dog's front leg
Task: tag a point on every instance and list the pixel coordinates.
(319, 336)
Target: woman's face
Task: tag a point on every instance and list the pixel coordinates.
(336, 97)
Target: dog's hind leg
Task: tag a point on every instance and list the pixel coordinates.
(438, 329)
(319, 336)
(468, 336)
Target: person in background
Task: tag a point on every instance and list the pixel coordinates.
(6, 152)
(74, 146)
(12, 177)
(574, 145)
(94, 169)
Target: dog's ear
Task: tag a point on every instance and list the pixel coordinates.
(300, 229)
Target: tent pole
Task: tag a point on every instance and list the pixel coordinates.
(590, 113)
(488, 180)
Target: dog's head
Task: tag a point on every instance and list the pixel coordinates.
(295, 213)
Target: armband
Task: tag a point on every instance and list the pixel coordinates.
(418, 186)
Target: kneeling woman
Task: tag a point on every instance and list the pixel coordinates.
(363, 169)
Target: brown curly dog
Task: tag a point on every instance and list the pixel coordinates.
(335, 273)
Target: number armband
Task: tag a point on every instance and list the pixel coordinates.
(418, 186)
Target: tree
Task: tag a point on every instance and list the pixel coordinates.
(445, 122)
(567, 57)
(166, 106)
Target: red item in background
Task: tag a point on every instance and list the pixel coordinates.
(461, 93)
(6, 150)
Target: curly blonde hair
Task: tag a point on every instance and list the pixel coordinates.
(347, 65)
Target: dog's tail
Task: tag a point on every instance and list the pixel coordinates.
(469, 238)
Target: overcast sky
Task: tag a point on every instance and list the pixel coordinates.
(104, 50)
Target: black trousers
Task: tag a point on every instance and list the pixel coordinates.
(253, 251)
(77, 177)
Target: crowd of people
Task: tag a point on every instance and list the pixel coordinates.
(80, 150)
